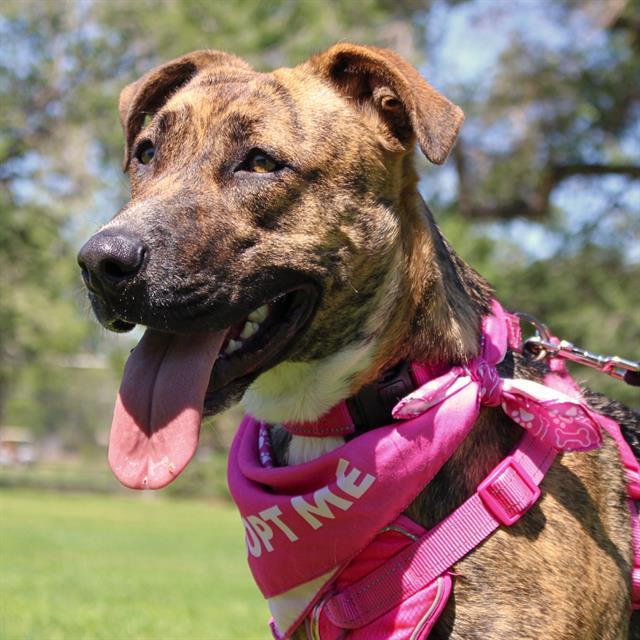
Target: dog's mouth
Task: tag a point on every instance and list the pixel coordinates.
(258, 341)
(171, 379)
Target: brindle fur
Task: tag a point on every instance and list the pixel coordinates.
(348, 216)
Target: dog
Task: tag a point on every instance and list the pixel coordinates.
(278, 250)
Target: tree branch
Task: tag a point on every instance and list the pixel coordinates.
(564, 171)
(537, 206)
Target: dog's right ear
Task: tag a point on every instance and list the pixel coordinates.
(146, 96)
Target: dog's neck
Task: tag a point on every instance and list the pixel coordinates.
(429, 309)
(443, 301)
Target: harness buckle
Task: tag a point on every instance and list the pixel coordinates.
(372, 405)
(508, 491)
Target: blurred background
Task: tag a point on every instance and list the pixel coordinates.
(541, 195)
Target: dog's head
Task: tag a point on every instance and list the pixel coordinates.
(269, 239)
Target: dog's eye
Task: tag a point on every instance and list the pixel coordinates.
(259, 162)
(145, 152)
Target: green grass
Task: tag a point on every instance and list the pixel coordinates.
(113, 567)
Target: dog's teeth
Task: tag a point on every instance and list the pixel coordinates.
(259, 314)
(233, 345)
(249, 329)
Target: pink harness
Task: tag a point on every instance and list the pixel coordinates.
(326, 544)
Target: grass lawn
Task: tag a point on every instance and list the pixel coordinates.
(99, 566)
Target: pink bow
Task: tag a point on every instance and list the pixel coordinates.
(556, 418)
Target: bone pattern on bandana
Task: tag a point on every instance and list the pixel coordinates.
(308, 520)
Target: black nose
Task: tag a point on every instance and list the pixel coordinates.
(110, 258)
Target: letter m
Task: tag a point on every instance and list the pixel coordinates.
(322, 498)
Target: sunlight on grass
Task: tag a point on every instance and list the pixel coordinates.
(82, 566)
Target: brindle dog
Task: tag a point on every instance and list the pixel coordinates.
(285, 205)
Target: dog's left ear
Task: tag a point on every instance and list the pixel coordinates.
(405, 101)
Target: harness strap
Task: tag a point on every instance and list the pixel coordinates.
(559, 378)
(632, 469)
(502, 498)
(635, 571)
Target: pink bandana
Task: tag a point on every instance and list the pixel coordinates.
(304, 522)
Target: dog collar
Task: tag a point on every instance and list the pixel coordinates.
(371, 407)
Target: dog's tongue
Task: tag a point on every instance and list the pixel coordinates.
(156, 421)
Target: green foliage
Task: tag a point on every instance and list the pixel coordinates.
(265, 33)
(584, 298)
(74, 404)
(561, 101)
(38, 316)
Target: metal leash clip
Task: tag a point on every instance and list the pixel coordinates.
(541, 345)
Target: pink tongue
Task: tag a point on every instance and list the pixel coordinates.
(156, 421)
